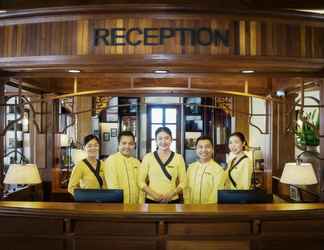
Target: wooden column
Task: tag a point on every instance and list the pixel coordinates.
(2, 125)
(321, 162)
(241, 111)
(83, 123)
(282, 140)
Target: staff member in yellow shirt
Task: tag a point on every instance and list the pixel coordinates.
(162, 169)
(88, 173)
(240, 168)
(121, 168)
(204, 176)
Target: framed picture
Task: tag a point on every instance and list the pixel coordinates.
(294, 193)
(113, 132)
(106, 136)
(96, 133)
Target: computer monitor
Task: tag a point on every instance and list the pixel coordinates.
(244, 196)
(99, 195)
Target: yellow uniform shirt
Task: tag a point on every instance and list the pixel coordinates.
(240, 173)
(83, 177)
(152, 172)
(121, 173)
(203, 182)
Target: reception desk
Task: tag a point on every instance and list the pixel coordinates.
(46, 226)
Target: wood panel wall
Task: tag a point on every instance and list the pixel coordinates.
(246, 37)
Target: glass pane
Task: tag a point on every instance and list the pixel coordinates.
(173, 129)
(153, 145)
(157, 115)
(174, 146)
(170, 115)
(153, 129)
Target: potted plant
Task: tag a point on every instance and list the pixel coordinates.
(307, 132)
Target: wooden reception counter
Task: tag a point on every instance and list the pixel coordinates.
(41, 225)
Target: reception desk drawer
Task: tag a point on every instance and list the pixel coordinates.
(115, 228)
(292, 226)
(206, 229)
(31, 225)
(208, 245)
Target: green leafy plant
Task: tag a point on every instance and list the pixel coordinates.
(307, 132)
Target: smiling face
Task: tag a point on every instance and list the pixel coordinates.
(236, 146)
(126, 145)
(204, 150)
(92, 148)
(163, 141)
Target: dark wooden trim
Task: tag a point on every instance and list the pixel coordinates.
(2, 125)
(155, 9)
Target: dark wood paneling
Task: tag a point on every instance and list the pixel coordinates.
(30, 243)
(118, 228)
(114, 244)
(30, 225)
(292, 226)
(247, 37)
(209, 229)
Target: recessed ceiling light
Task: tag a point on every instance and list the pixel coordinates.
(74, 71)
(3, 11)
(248, 71)
(161, 71)
(280, 93)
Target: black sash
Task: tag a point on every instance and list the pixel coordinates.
(95, 171)
(232, 167)
(163, 165)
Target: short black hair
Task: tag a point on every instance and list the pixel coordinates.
(89, 138)
(163, 129)
(125, 133)
(205, 137)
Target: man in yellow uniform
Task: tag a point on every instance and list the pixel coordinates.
(121, 168)
(205, 176)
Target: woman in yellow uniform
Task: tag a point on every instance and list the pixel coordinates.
(121, 168)
(88, 173)
(240, 168)
(204, 176)
(162, 175)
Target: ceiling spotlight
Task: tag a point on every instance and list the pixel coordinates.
(248, 71)
(161, 71)
(280, 93)
(74, 71)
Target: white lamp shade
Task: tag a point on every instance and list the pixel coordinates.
(64, 140)
(78, 155)
(22, 174)
(302, 174)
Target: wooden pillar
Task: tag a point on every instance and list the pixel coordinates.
(321, 161)
(282, 141)
(241, 111)
(83, 120)
(2, 125)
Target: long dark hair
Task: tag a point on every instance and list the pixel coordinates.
(242, 139)
(163, 129)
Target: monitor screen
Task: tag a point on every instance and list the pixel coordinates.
(244, 196)
(98, 195)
